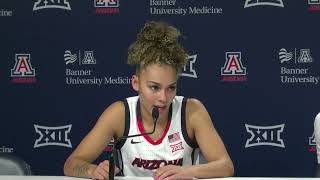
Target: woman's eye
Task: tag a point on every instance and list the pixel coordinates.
(172, 88)
(154, 88)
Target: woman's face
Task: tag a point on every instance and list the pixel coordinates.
(157, 85)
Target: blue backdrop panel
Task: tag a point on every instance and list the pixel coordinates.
(254, 64)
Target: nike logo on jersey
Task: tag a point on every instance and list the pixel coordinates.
(135, 142)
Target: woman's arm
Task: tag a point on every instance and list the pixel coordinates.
(109, 124)
(212, 147)
(200, 127)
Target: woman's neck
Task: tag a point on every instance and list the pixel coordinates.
(149, 121)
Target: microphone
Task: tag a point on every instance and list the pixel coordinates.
(155, 115)
(112, 159)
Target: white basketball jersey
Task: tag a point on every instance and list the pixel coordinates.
(317, 135)
(141, 156)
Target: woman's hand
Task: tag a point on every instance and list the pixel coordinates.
(101, 172)
(172, 172)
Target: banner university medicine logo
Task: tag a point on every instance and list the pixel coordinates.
(304, 57)
(293, 68)
(22, 72)
(233, 70)
(88, 57)
(265, 136)
(251, 3)
(44, 4)
(53, 136)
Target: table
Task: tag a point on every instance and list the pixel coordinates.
(141, 178)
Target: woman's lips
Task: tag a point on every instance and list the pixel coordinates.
(161, 108)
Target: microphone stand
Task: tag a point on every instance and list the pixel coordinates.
(113, 157)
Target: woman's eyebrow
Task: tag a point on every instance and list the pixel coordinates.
(153, 82)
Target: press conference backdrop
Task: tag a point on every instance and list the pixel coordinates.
(253, 63)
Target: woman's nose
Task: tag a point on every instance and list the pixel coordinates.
(163, 96)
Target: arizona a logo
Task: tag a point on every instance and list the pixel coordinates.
(233, 70)
(22, 72)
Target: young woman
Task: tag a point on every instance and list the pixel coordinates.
(183, 126)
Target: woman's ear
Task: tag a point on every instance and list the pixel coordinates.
(135, 82)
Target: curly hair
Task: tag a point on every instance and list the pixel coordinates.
(157, 42)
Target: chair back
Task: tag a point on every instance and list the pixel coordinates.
(13, 165)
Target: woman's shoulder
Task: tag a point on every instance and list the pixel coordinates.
(117, 109)
(113, 112)
(194, 104)
(119, 106)
(116, 106)
(196, 112)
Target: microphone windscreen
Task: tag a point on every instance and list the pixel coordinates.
(155, 113)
